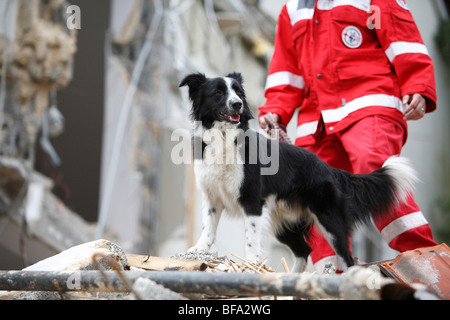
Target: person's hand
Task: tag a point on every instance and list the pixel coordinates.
(264, 124)
(416, 108)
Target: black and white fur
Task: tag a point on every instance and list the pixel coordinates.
(304, 191)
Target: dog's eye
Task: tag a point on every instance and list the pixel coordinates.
(238, 92)
(218, 93)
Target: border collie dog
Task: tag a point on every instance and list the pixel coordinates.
(302, 191)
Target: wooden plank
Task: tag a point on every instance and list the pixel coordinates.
(164, 264)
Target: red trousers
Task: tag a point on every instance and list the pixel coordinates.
(363, 148)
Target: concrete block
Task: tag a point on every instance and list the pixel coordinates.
(80, 258)
(73, 259)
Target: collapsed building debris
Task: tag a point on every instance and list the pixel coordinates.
(214, 263)
(101, 256)
(429, 266)
(100, 269)
(37, 51)
(13, 175)
(38, 60)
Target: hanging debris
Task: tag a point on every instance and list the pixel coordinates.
(37, 50)
(40, 59)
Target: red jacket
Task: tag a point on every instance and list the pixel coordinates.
(342, 60)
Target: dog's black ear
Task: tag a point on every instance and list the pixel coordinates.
(194, 81)
(237, 76)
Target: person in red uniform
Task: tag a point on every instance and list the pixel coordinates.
(358, 70)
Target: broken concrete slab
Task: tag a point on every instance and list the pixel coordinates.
(74, 259)
(57, 225)
(80, 258)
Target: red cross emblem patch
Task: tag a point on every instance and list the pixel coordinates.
(352, 37)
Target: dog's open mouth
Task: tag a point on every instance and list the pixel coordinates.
(233, 118)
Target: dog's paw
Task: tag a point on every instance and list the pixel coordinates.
(202, 246)
(192, 249)
(197, 248)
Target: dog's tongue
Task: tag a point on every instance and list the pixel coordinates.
(234, 117)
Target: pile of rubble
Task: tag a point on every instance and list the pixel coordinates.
(102, 270)
(214, 263)
(97, 255)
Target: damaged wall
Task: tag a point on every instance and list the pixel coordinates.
(36, 50)
(81, 102)
(38, 60)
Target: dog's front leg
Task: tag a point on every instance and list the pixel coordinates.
(210, 220)
(255, 237)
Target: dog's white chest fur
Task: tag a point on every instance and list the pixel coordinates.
(220, 172)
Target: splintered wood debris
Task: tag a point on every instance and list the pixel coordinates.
(215, 263)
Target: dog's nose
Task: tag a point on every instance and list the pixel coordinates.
(237, 105)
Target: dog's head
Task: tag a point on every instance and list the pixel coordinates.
(218, 99)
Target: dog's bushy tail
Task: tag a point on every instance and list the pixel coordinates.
(377, 193)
